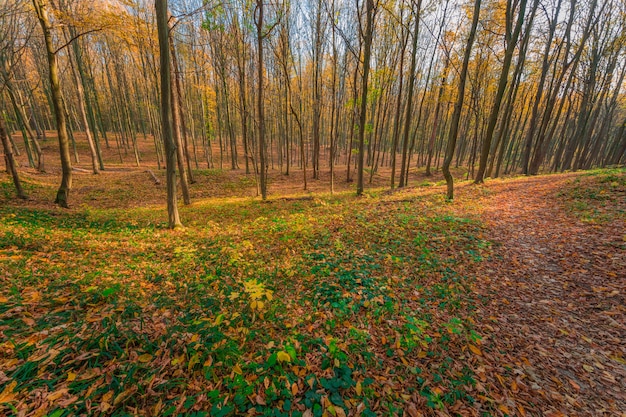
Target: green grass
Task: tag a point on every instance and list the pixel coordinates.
(597, 196)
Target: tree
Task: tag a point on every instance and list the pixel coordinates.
(511, 34)
(416, 11)
(166, 109)
(41, 8)
(458, 106)
(367, 35)
(10, 161)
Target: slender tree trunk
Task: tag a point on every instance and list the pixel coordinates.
(409, 99)
(260, 107)
(396, 124)
(367, 49)
(184, 143)
(458, 107)
(59, 110)
(166, 109)
(433, 136)
(10, 161)
(512, 39)
(85, 120)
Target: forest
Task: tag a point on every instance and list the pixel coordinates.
(313, 208)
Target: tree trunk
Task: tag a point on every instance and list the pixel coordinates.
(456, 116)
(260, 107)
(59, 110)
(367, 44)
(409, 99)
(504, 77)
(10, 161)
(166, 108)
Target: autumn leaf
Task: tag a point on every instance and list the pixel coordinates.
(283, 356)
(122, 396)
(475, 350)
(7, 394)
(56, 395)
(145, 358)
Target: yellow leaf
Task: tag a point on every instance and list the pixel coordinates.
(57, 394)
(294, 389)
(208, 362)
(618, 359)
(31, 296)
(3, 299)
(157, 408)
(71, 376)
(218, 320)
(121, 397)
(194, 360)
(359, 388)
(7, 394)
(107, 397)
(237, 369)
(146, 357)
(475, 350)
(283, 356)
(260, 305)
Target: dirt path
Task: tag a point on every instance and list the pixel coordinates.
(558, 295)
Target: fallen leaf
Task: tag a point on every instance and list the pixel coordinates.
(56, 395)
(146, 357)
(7, 394)
(412, 411)
(475, 350)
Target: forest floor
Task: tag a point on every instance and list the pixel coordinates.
(508, 301)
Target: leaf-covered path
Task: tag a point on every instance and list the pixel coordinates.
(557, 302)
